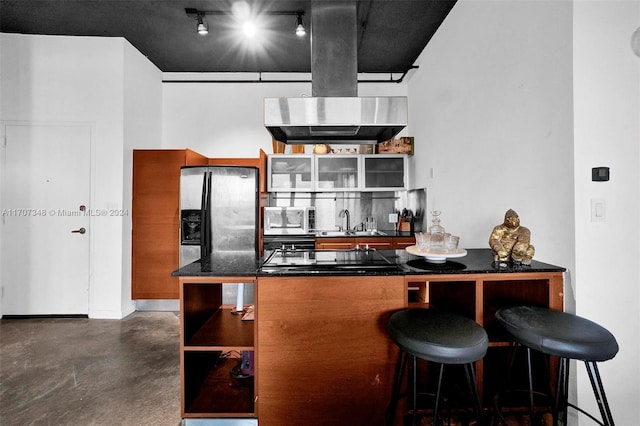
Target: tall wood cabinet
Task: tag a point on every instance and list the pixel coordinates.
(155, 220)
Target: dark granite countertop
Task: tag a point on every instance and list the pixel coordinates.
(231, 263)
(477, 261)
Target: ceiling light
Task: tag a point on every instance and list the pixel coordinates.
(202, 28)
(242, 13)
(300, 31)
(249, 29)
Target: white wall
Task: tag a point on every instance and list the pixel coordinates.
(226, 119)
(491, 107)
(142, 118)
(82, 79)
(607, 133)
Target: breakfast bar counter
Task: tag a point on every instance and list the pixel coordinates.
(319, 344)
(246, 263)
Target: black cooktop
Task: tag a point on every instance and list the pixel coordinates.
(326, 260)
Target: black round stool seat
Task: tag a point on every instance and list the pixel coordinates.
(442, 338)
(438, 336)
(566, 336)
(558, 333)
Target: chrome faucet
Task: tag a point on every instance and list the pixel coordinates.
(345, 213)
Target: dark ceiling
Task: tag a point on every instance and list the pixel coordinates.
(391, 34)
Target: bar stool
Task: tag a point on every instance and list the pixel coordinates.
(439, 337)
(569, 337)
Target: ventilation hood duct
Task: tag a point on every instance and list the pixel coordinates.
(334, 113)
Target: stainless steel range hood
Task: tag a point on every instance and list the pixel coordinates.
(334, 113)
(335, 119)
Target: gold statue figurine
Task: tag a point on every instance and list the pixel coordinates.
(510, 241)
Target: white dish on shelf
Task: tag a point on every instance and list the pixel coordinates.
(439, 256)
(279, 166)
(325, 184)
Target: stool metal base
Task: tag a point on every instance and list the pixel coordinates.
(437, 418)
(566, 336)
(562, 404)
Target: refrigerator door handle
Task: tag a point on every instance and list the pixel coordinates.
(203, 220)
(207, 214)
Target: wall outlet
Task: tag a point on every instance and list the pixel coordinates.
(393, 217)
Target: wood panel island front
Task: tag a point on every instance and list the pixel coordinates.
(321, 353)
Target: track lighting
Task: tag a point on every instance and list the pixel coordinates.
(249, 29)
(202, 28)
(300, 31)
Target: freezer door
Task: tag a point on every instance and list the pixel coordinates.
(191, 185)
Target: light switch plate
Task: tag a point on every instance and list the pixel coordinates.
(393, 217)
(598, 210)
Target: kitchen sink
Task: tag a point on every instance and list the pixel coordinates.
(367, 233)
(350, 234)
(333, 234)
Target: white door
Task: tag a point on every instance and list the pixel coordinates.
(45, 234)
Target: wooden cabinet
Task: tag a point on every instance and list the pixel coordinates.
(379, 243)
(335, 339)
(479, 296)
(400, 243)
(155, 220)
(212, 341)
(322, 350)
(324, 355)
(334, 243)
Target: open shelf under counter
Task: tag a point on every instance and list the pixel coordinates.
(213, 342)
(205, 374)
(223, 329)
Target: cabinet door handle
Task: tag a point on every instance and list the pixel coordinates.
(79, 231)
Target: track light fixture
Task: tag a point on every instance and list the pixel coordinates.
(202, 27)
(300, 30)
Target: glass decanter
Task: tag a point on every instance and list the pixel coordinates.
(437, 232)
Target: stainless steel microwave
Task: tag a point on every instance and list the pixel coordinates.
(289, 220)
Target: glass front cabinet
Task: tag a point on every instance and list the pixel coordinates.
(290, 173)
(335, 172)
(385, 172)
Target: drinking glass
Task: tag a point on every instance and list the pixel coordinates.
(451, 242)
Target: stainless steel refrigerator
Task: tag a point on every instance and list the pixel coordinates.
(218, 210)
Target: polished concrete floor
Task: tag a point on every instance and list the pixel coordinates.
(90, 372)
(99, 372)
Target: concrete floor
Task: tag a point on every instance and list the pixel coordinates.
(90, 372)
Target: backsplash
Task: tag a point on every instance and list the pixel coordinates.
(361, 205)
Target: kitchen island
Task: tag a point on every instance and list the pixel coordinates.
(320, 346)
